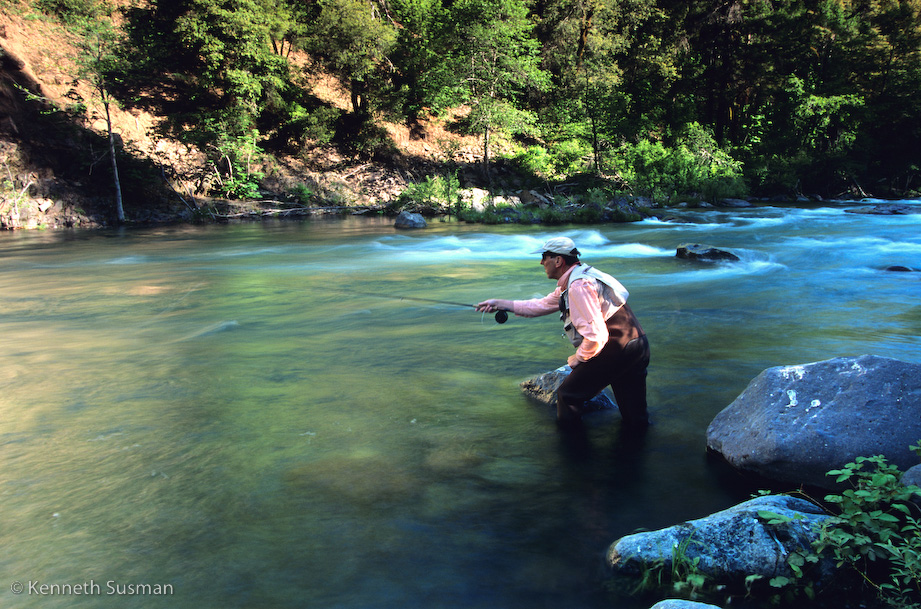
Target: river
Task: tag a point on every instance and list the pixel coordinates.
(230, 416)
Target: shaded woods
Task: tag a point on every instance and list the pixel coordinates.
(661, 99)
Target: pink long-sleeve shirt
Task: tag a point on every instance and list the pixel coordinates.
(587, 310)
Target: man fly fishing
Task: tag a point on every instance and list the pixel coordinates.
(611, 347)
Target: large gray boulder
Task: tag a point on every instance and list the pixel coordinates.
(542, 389)
(729, 545)
(795, 423)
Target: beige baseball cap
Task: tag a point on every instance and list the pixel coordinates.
(559, 245)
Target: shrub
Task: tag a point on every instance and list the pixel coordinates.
(437, 194)
(557, 161)
(570, 157)
(237, 178)
(877, 532)
(534, 160)
(695, 165)
(73, 11)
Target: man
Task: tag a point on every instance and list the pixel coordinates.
(611, 347)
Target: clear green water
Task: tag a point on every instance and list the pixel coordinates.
(222, 410)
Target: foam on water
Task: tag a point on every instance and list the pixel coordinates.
(858, 247)
(480, 246)
(720, 272)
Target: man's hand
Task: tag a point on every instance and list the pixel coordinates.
(492, 305)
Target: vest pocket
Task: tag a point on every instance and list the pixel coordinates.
(572, 334)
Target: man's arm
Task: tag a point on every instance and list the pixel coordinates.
(534, 307)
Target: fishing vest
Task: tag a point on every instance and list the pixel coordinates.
(622, 325)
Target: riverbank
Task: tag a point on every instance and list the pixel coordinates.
(55, 173)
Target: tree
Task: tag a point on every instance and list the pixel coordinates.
(230, 41)
(591, 47)
(97, 61)
(496, 60)
(421, 76)
(352, 39)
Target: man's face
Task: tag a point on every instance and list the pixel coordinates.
(553, 265)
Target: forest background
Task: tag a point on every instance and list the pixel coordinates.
(663, 99)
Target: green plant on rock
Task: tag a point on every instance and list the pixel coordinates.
(786, 587)
(877, 532)
(681, 572)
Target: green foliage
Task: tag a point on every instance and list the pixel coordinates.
(438, 194)
(318, 126)
(695, 166)
(495, 59)
(303, 194)
(234, 168)
(74, 11)
(690, 99)
(877, 532)
(535, 160)
(237, 77)
(557, 161)
(421, 78)
(352, 40)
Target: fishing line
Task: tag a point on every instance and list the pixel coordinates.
(501, 315)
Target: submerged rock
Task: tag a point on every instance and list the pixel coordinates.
(795, 423)
(677, 603)
(888, 209)
(696, 251)
(729, 545)
(542, 389)
(735, 203)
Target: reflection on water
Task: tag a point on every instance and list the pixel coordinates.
(231, 411)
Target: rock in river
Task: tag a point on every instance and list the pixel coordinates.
(795, 423)
(696, 251)
(409, 220)
(729, 545)
(542, 389)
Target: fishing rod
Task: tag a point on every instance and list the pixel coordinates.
(501, 314)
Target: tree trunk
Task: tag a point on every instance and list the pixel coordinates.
(486, 151)
(584, 29)
(120, 210)
(595, 146)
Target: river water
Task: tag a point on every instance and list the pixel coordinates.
(230, 416)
